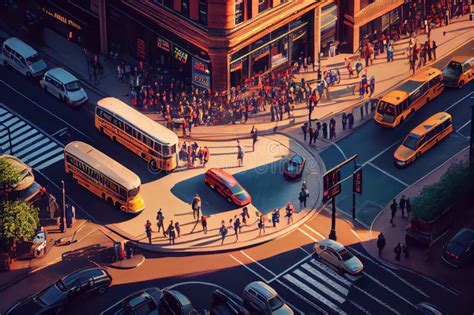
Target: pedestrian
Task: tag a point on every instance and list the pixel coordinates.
(204, 224)
(304, 128)
(303, 196)
(433, 49)
(275, 217)
(223, 231)
(372, 85)
(325, 130)
(254, 139)
(261, 225)
(405, 250)
(397, 250)
(380, 243)
(350, 120)
(240, 155)
(171, 233)
(237, 227)
(52, 206)
(159, 222)
(344, 120)
(245, 214)
(196, 205)
(177, 228)
(148, 230)
(311, 135)
(402, 205)
(206, 156)
(315, 135)
(289, 212)
(408, 207)
(393, 208)
(358, 67)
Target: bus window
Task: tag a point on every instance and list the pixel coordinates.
(166, 150)
(404, 105)
(148, 141)
(173, 149)
(128, 129)
(158, 147)
(446, 124)
(107, 116)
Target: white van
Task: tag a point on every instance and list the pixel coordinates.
(22, 57)
(64, 86)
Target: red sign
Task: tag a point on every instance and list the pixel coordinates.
(357, 181)
(141, 48)
(331, 184)
(180, 55)
(163, 44)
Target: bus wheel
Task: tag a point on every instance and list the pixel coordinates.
(118, 205)
(461, 84)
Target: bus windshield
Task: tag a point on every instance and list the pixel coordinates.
(386, 108)
(411, 141)
(132, 193)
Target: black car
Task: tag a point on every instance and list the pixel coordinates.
(458, 251)
(174, 302)
(141, 302)
(68, 289)
(226, 304)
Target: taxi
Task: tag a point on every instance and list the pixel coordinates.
(226, 185)
(459, 71)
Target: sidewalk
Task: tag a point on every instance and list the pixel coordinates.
(418, 261)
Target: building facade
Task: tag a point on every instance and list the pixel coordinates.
(211, 44)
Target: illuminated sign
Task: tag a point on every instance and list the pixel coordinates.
(163, 44)
(62, 18)
(180, 55)
(200, 66)
(331, 184)
(357, 181)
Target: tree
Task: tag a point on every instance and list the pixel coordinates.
(18, 221)
(10, 176)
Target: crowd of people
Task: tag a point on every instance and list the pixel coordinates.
(190, 153)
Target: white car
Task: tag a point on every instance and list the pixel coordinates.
(337, 255)
(64, 86)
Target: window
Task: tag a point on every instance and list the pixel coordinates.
(263, 5)
(158, 147)
(107, 116)
(168, 3)
(128, 129)
(446, 124)
(466, 67)
(185, 8)
(203, 12)
(239, 11)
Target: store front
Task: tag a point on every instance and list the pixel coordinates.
(380, 24)
(328, 26)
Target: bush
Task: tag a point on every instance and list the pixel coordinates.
(18, 221)
(455, 186)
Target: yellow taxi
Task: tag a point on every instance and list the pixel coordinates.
(459, 71)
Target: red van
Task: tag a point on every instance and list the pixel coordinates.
(226, 185)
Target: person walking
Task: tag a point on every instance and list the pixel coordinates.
(380, 243)
(303, 197)
(245, 215)
(261, 225)
(148, 230)
(237, 227)
(393, 208)
(402, 204)
(372, 85)
(254, 139)
(397, 250)
(350, 120)
(311, 134)
(171, 233)
(177, 227)
(240, 155)
(304, 128)
(196, 205)
(223, 231)
(289, 212)
(275, 217)
(206, 156)
(344, 120)
(204, 224)
(325, 130)
(405, 250)
(315, 135)
(159, 222)
(433, 49)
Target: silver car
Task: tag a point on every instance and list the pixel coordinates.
(262, 298)
(337, 255)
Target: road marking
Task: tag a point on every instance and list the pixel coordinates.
(375, 299)
(339, 149)
(249, 269)
(39, 151)
(304, 250)
(331, 272)
(392, 273)
(46, 155)
(388, 174)
(307, 234)
(315, 306)
(289, 268)
(325, 279)
(313, 293)
(356, 234)
(314, 231)
(59, 131)
(257, 263)
(320, 286)
(389, 289)
(360, 308)
(45, 109)
(459, 101)
(463, 126)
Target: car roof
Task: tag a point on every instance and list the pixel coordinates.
(80, 272)
(24, 49)
(223, 175)
(462, 59)
(464, 234)
(262, 288)
(297, 159)
(333, 244)
(430, 123)
(183, 299)
(62, 75)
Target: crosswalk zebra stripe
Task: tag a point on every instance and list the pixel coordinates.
(321, 287)
(46, 155)
(325, 279)
(388, 289)
(32, 155)
(19, 125)
(32, 147)
(315, 306)
(330, 271)
(22, 145)
(50, 162)
(2, 111)
(5, 117)
(313, 293)
(10, 121)
(360, 308)
(376, 299)
(19, 138)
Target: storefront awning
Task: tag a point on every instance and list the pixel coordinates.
(375, 10)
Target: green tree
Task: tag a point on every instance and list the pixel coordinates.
(18, 221)
(9, 176)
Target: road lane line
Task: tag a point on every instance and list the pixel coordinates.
(320, 286)
(389, 289)
(459, 101)
(45, 109)
(315, 306)
(388, 174)
(356, 234)
(249, 269)
(376, 299)
(291, 267)
(325, 279)
(307, 234)
(392, 273)
(257, 263)
(339, 149)
(457, 130)
(314, 231)
(331, 272)
(304, 250)
(39, 152)
(360, 308)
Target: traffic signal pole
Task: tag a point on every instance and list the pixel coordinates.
(332, 234)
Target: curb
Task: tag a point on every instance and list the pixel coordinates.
(120, 264)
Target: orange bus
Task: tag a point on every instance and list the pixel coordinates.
(394, 107)
(104, 176)
(146, 138)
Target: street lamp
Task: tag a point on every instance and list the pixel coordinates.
(9, 136)
(319, 66)
(64, 206)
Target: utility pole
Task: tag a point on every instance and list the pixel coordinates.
(63, 220)
(332, 234)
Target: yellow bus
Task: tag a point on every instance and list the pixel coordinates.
(104, 176)
(423, 138)
(146, 138)
(394, 107)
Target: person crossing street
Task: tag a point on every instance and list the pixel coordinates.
(196, 206)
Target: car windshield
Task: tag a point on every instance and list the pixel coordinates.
(275, 303)
(345, 254)
(386, 108)
(454, 67)
(52, 294)
(238, 191)
(411, 141)
(31, 60)
(73, 86)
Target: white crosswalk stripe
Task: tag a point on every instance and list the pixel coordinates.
(32, 146)
(326, 280)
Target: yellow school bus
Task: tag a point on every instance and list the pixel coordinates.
(146, 138)
(423, 138)
(394, 107)
(104, 176)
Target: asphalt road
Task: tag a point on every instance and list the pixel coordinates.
(308, 285)
(375, 147)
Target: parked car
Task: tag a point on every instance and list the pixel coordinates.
(458, 251)
(295, 167)
(64, 86)
(337, 255)
(226, 185)
(67, 290)
(174, 302)
(263, 299)
(141, 302)
(459, 71)
(226, 304)
(21, 57)
(424, 308)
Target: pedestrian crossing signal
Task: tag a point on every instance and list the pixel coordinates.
(331, 184)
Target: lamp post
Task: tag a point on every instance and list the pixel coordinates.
(63, 190)
(9, 136)
(319, 66)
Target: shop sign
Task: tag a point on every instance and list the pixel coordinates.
(200, 66)
(261, 51)
(141, 48)
(200, 73)
(237, 65)
(62, 18)
(202, 80)
(180, 55)
(163, 44)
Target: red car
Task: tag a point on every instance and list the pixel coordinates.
(227, 186)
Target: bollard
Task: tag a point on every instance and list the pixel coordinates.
(361, 112)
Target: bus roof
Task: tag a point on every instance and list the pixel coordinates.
(430, 123)
(425, 75)
(139, 121)
(103, 163)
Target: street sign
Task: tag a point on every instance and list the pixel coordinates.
(357, 181)
(331, 184)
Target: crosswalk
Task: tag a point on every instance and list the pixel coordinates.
(25, 141)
